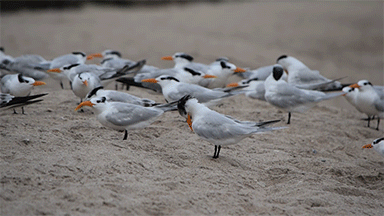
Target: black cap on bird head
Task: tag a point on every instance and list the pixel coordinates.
(94, 91)
(185, 56)
(277, 72)
(114, 52)
(281, 57)
(181, 104)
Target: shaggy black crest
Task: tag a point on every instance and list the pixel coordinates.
(186, 56)
(377, 141)
(94, 91)
(169, 78)
(79, 53)
(70, 66)
(113, 52)
(277, 72)
(281, 57)
(250, 80)
(194, 73)
(20, 77)
(181, 104)
(224, 65)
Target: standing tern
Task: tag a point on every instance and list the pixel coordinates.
(217, 128)
(368, 100)
(378, 145)
(290, 98)
(117, 96)
(18, 85)
(112, 59)
(24, 65)
(124, 116)
(300, 75)
(68, 59)
(174, 90)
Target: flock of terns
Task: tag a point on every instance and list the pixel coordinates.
(189, 87)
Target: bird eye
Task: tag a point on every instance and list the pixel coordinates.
(98, 101)
(26, 81)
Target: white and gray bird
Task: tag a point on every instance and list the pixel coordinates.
(113, 59)
(116, 96)
(54, 64)
(24, 64)
(369, 100)
(303, 77)
(18, 85)
(216, 128)
(174, 90)
(378, 145)
(255, 88)
(124, 116)
(290, 98)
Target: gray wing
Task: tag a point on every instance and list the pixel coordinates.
(200, 93)
(127, 98)
(380, 91)
(380, 105)
(63, 60)
(129, 114)
(290, 96)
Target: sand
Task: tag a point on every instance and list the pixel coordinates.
(55, 161)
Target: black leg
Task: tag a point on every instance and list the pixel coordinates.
(218, 151)
(214, 154)
(289, 118)
(369, 119)
(22, 110)
(127, 87)
(116, 86)
(125, 135)
(378, 122)
(70, 84)
(61, 84)
(14, 111)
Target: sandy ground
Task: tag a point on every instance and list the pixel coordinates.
(55, 161)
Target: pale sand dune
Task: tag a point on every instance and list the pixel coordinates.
(56, 161)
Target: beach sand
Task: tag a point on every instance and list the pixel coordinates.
(55, 161)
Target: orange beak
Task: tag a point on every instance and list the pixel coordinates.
(233, 85)
(189, 121)
(152, 80)
(85, 103)
(368, 146)
(56, 70)
(239, 70)
(94, 55)
(354, 85)
(207, 76)
(85, 82)
(167, 58)
(37, 83)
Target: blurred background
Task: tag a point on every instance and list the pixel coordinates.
(340, 39)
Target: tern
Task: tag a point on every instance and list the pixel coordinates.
(8, 101)
(174, 90)
(117, 96)
(18, 85)
(216, 128)
(124, 116)
(369, 100)
(300, 75)
(290, 98)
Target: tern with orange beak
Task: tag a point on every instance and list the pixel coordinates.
(300, 75)
(290, 98)
(369, 100)
(378, 145)
(73, 58)
(124, 116)
(18, 85)
(113, 59)
(173, 90)
(216, 128)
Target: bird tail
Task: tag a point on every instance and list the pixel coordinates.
(130, 81)
(12, 102)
